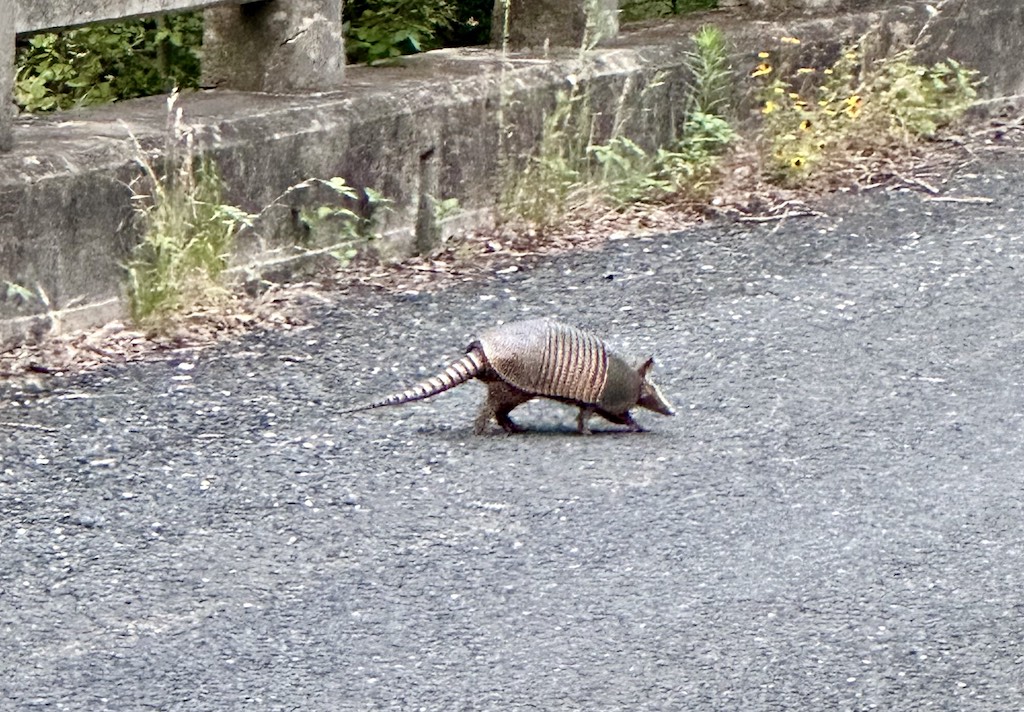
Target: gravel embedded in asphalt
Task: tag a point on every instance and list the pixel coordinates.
(832, 521)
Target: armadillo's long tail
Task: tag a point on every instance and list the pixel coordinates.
(457, 373)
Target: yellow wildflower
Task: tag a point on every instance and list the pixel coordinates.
(763, 70)
(769, 107)
(853, 106)
(790, 40)
(805, 125)
(797, 162)
(764, 55)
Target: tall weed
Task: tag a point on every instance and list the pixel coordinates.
(570, 168)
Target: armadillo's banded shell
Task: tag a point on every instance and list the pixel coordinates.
(547, 358)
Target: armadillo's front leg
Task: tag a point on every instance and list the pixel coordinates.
(619, 419)
(507, 424)
(582, 421)
(634, 427)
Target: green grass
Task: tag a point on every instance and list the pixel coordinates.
(188, 239)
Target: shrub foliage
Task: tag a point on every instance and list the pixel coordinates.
(97, 64)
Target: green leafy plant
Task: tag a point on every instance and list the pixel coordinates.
(922, 99)
(445, 209)
(712, 79)
(855, 108)
(102, 63)
(471, 25)
(383, 29)
(707, 131)
(346, 228)
(692, 161)
(16, 292)
(627, 173)
(188, 231)
(686, 164)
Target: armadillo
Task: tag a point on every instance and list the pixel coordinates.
(523, 360)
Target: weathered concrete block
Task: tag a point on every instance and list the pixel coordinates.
(985, 37)
(58, 14)
(560, 23)
(278, 46)
(7, 25)
(66, 230)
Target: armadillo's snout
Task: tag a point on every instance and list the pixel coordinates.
(665, 409)
(652, 399)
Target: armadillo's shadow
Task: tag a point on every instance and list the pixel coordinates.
(529, 432)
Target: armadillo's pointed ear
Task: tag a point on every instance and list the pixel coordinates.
(645, 367)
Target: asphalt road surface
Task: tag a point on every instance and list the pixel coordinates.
(833, 521)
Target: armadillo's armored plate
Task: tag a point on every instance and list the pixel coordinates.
(546, 358)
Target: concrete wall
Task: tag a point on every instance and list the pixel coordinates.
(983, 35)
(567, 23)
(34, 15)
(429, 127)
(769, 8)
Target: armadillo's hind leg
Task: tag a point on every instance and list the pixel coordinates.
(583, 420)
(487, 413)
(501, 399)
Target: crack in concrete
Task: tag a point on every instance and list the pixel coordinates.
(307, 23)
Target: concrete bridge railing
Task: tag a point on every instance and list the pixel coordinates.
(277, 46)
(281, 46)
